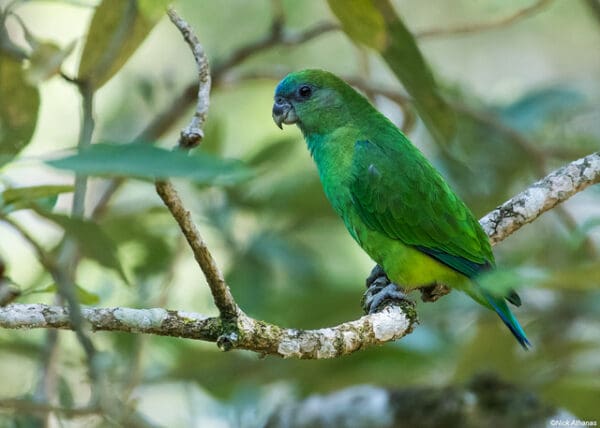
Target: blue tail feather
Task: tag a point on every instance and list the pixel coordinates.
(508, 318)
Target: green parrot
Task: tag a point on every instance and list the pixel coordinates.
(394, 203)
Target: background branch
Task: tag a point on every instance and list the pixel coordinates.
(526, 12)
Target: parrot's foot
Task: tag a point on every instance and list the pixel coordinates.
(377, 278)
(377, 295)
(431, 293)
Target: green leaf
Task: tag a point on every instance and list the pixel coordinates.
(376, 24)
(93, 242)
(19, 103)
(145, 161)
(24, 197)
(118, 28)
(361, 21)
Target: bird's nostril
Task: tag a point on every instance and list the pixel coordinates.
(279, 100)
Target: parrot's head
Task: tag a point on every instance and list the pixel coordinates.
(315, 100)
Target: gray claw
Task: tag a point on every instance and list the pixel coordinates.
(377, 277)
(376, 296)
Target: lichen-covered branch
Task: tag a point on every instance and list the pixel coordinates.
(242, 333)
(542, 196)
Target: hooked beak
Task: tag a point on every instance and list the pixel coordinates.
(283, 112)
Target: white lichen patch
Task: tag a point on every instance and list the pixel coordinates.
(536, 197)
(308, 343)
(21, 316)
(564, 183)
(138, 319)
(389, 324)
(289, 348)
(191, 316)
(594, 166)
(351, 341)
(327, 342)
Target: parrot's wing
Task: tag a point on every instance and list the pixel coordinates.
(397, 192)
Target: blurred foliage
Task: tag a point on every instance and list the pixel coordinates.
(514, 103)
(376, 24)
(117, 29)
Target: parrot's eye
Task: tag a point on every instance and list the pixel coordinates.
(304, 91)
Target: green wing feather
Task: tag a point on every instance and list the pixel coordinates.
(395, 190)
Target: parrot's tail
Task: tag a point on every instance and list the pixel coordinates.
(499, 305)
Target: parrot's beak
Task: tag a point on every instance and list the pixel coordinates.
(283, 112)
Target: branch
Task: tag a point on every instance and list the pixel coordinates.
(485, 398)
(542, 196)
(192, 134)
(485, 26)
(243, 332)
(218, 287)
(246, 333)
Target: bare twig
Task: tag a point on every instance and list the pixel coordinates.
(45, 259)
(220, 290)
(192, 134)
(67, 259)
(485, 26)
(218, 287)
(276, 37)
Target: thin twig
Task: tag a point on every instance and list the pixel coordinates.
(68, 255)
(276, 37)
(485, 26)
(220, 290)
(218, 287)
(192, 134)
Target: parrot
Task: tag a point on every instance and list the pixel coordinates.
(393, 202)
